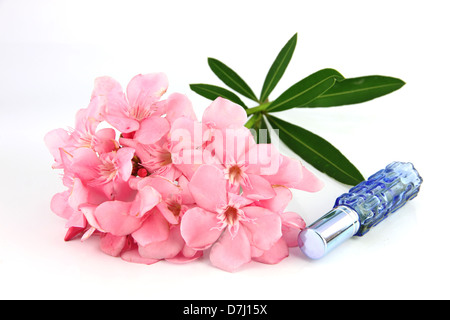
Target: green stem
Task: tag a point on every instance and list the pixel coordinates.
(260, 108)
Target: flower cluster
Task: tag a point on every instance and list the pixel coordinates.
(155, 183)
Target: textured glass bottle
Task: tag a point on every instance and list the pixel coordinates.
(362, 208)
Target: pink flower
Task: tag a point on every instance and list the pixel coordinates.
(243, 162)
(84, 135)
(228, 223)
(104, 172)
(139, 109)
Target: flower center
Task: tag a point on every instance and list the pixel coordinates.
(165, 158)
(231, 215)
(140, 113)
(234, 173)
(158, 157)
(107, 171)
(85, 141)
(174, 206)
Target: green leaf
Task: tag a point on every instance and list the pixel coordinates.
(317, 151)
(231, 78)
(356, 90)
(212, 92)
(278, 67)
(305, 90)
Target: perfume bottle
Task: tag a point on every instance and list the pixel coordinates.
(362, 208)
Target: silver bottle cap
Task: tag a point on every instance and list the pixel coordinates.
(328, 232)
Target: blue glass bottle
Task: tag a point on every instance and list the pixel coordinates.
(362, 208)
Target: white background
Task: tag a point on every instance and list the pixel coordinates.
(51, 52)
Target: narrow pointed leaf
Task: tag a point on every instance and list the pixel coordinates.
(317, 151)
(356, 90)
(212, 92)
(231, 78)
(278, 68)
(306, 90)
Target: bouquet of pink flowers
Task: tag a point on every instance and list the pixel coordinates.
(155, 183)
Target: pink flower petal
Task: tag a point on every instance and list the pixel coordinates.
(186, 133)
(292, 174)
(185, 192)
(290, 235)
(259, 188)
(264, 228)
(124, 156)
(275, 254)
(60, 206)
(231, 253)
(263, 159)
(112, 245)
(76, 220)
(292, 225)
(164, 249)
(104, 85)
(54, 140)
(145, 90)
(293, 220)
(208, 187)
(146, 199)
(72, 232)
(200, 228)
(88, 233)
(223, 114)
(164, 186)
(114, 217)
(85, 163)
(280, 201)
(309, 182)
(121, 191)
(189, 252)
(152, 130)
(239, 200)
(122, 123)
(117, 112)
(84, 123)
(167, 213)
(104, 140)
(181, 259)
(154, 229)
(167, 189)
(232, 145)
(79, 195)
(178, 105)
(89, 213)
(134, 257)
